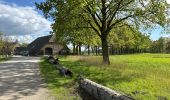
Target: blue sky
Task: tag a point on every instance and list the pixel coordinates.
(19, 19)
(23, 2)
(27, 23)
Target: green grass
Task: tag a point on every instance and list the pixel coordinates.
(2, 58)
(142, 76)
(63, 88)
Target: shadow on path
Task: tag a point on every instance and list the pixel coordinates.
(20, 79)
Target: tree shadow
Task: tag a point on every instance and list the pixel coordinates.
(20, 78)
(102, 75)
(62, 86)
(52, 76)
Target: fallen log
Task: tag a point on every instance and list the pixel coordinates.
(56, 62)
(50, 57)
(90, 90)
(62, 70)
(52, 60)
(65, 71)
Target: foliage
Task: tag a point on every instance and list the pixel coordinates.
(2, 58)
(24, 44)
(74, 18)
(162, 45)
(129, 39)
(6, 45)
(167, 47)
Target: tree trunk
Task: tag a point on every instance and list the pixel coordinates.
(96, 50)
(88, 47)
(112, 50)
(74, 48)
(92, 48)
(105, 51)
(80, 44)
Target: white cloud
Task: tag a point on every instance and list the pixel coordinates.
(17, 20)
(21, 38)
(168, 1)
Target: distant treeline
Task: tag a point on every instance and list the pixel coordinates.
(145, 45)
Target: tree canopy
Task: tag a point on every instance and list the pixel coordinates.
(72, 18)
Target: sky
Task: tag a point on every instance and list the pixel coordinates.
(19, 19)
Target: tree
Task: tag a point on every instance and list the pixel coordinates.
(168, 47)
(24, 44)
(159, 46)
(143, 43)
(1, 41)
(8, 46)
(128, 40)
(103, 16)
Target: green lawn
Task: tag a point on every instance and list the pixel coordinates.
(142, 76)
(2, 58)
(63, 88)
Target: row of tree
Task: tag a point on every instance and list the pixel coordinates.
(6, 46)
(162, 45)
(140, 44)
(125, 41)
(102, 22)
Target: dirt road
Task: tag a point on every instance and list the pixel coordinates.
(20, 80)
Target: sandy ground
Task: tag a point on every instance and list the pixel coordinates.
(20, 80)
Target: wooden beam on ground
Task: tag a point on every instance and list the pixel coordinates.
(90, 90)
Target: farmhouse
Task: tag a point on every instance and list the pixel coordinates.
(46, 46)
(19, 50)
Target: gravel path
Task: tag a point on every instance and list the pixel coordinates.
(20, 80)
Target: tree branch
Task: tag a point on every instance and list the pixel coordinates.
(113, 15)
(92, 26)
(93, 17)
(118, 21)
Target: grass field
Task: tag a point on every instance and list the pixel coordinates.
(2, 58)
(142, 76)
(63, 88)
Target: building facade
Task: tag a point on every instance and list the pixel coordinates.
(46, 45)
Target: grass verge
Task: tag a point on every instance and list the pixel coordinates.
(142, 76)
(63, 88)
(4, 58)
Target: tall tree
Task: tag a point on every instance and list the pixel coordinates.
(159, 46)
(168, 47)
(103, 16)
(1, 42)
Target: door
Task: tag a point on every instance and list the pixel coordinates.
(48, 51)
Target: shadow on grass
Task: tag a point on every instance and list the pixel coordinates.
(51, 75)
(5, 58)
(62, 87)
(107, 76)
(103, 75)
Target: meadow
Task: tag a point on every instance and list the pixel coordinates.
(141, 76)
(2, 58)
